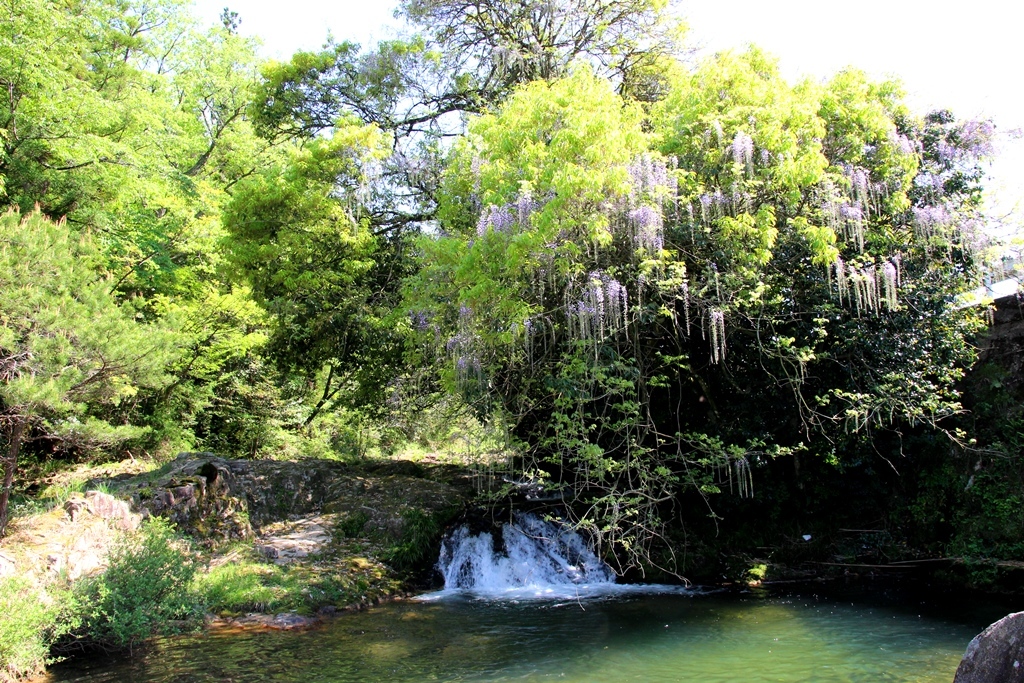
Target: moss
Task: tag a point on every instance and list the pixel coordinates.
(248, 584)
(352, 526)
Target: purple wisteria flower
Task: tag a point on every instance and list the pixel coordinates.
(496, 218)
(902, 143)
(928, 218)
(859, 180)
(649, 228)
(946, 151)
(851, 212)
(419, 320)
(976, 138)
(742, 149)
(648, 174)
(525, 205)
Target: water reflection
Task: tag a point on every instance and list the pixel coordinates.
(707, 638)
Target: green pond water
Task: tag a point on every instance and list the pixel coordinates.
(870, 636)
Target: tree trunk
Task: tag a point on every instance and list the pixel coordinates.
(10, 464)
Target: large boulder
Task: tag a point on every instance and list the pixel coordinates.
(996, 655)
(401, 504)
(104, 506)
(203, 495)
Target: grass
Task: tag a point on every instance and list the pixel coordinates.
(244, 582)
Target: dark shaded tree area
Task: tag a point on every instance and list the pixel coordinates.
(705, 302)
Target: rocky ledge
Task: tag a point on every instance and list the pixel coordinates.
(218, 500)
(315, 537)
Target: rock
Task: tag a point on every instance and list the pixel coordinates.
(104, 506)
(201, 496)
(54, 563)
(267, 551)
(287, 542)
(75, 507)
(84, 562)
(996, 655)
(216, 499)
(290, 621)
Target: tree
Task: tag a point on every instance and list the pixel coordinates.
(127, 121)
(297, 235)
(499, 44)
(465, 58)
(67, 349)
(667, 312)
(132, 124)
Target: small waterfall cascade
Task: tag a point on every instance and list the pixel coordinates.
(536, 558)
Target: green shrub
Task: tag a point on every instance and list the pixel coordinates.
(418, 543)
(145, 591)
(28, 626)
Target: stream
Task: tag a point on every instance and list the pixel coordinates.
(551, 614)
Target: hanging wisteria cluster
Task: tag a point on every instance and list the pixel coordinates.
(868, 288)
(973, 141)
(652, 185)
(931, 220)
(419, 320)
(847, 215)
(496, 218)
(684, 294)
(503, 219)
(602, 309)
(901, 142)
(463, 348)
(716, 325)
(648, 229)
(651, 175)
(714, 205)
(742, 149)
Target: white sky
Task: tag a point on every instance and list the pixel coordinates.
(964, 56)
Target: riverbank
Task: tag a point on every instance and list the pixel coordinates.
(272, 545)
(265, 544)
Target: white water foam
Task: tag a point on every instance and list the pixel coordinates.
(537, 559)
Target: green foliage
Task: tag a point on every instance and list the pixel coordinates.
(240, 586)
(132, 126)
(315, 266)
(146, 590)
(65, 341)
(352, 526)
(28, 628)
(421, 532)
(660, 281)
(118, 116)
(71, 359)
(670, 310)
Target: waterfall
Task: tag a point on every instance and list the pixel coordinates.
(537, 558)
